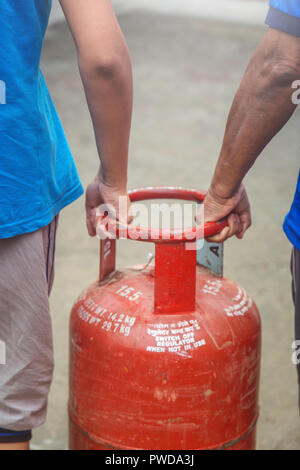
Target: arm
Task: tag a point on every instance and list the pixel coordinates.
(105, 68)
(261, 107)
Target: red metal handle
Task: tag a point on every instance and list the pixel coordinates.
(175, 263)
(167, 235)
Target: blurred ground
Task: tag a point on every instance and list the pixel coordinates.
(186, 71)
(241, 11)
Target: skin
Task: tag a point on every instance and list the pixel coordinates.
(106, 72)
(262, 106)
(15, 446)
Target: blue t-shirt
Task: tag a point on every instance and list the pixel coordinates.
(38, 176)
(285, 16)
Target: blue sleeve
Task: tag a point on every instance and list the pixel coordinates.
(285, 16)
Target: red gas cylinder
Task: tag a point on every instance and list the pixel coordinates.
(164, 357)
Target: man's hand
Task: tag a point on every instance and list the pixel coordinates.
(98, 193)
(261, 107)
(236, 208)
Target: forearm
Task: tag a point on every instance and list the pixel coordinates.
(262, 105)
(105, 68)
(109, 93)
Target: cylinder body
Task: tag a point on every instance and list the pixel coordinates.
(140, 380)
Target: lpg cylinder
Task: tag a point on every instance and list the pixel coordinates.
(165, 356)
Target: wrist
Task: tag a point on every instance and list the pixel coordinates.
(114, 180)
(221, 192)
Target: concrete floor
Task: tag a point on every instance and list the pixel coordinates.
(186, 71)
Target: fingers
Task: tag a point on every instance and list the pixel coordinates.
(235, 227)
(246, 223)
(220, 238)
(90, 228)
(90, 222)
(102, 232)
(100, 226)
(236, 209)
(101, 220)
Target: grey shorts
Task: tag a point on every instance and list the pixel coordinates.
(26, 350)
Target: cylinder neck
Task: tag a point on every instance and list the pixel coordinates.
(175, 278)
